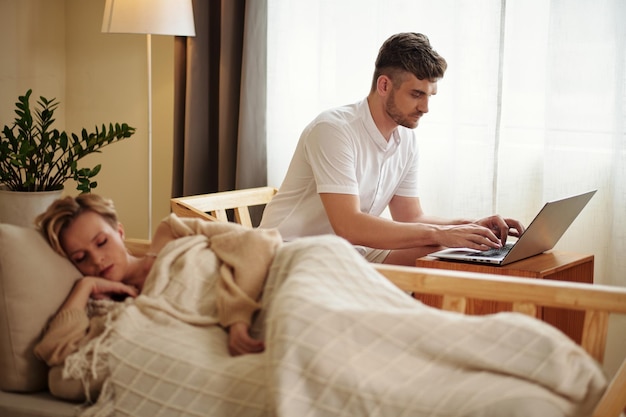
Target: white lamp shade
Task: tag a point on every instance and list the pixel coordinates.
(155, 17)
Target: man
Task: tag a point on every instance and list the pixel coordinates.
(354, 161)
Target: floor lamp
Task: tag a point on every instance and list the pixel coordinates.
(149, 17)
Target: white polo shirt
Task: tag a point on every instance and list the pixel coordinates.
(342, 151)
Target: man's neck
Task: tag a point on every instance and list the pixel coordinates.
(383, 122)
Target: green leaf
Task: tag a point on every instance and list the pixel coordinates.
(35, 156)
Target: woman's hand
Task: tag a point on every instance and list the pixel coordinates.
(240, 342)
(104, 289)
(97, 288)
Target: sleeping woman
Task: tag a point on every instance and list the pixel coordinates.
(86, 230)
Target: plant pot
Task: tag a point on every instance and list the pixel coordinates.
(20, 208)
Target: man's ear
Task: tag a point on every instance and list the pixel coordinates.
(383, 85)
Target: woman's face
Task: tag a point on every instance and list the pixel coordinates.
(95, 247)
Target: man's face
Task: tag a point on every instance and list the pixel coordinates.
(406, 104)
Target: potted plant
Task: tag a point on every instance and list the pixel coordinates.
(34, 157)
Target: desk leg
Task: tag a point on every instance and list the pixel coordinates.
(569, 322)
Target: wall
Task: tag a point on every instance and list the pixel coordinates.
(56, 48)
(32, 47)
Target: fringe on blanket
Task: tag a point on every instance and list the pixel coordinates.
(90, 362)
(104, 406)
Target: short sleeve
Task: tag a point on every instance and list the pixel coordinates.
(332, 157)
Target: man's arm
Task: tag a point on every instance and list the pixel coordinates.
(409, 209)
(408, 229)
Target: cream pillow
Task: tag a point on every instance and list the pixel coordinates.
(34, 281)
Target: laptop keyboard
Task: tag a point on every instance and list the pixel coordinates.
(495, 251)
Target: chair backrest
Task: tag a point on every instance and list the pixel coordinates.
(215, 206)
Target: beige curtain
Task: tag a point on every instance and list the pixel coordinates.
(219, 143)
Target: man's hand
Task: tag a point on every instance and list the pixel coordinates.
(468, 235)
(502, 227)
(240, 342)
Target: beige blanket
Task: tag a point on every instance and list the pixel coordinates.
(341, 341)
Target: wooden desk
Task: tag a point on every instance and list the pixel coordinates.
(554, 265)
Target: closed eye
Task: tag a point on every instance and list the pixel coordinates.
(78, 258)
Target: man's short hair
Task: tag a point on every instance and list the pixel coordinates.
(409, 52)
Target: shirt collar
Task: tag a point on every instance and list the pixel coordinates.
(373, 131)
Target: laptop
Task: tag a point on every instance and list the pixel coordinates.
(541, 234)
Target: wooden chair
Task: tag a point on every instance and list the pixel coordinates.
(215, 206)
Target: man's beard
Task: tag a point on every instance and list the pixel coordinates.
(397, 116)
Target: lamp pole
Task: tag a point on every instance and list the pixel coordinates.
(149, 17)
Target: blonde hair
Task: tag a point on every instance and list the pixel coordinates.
(62, 212)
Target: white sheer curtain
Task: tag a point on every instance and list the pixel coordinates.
(532, 108)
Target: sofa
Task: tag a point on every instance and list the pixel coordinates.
(34, 281)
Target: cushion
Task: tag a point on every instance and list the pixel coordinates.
(41, 404)
(34, 282)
